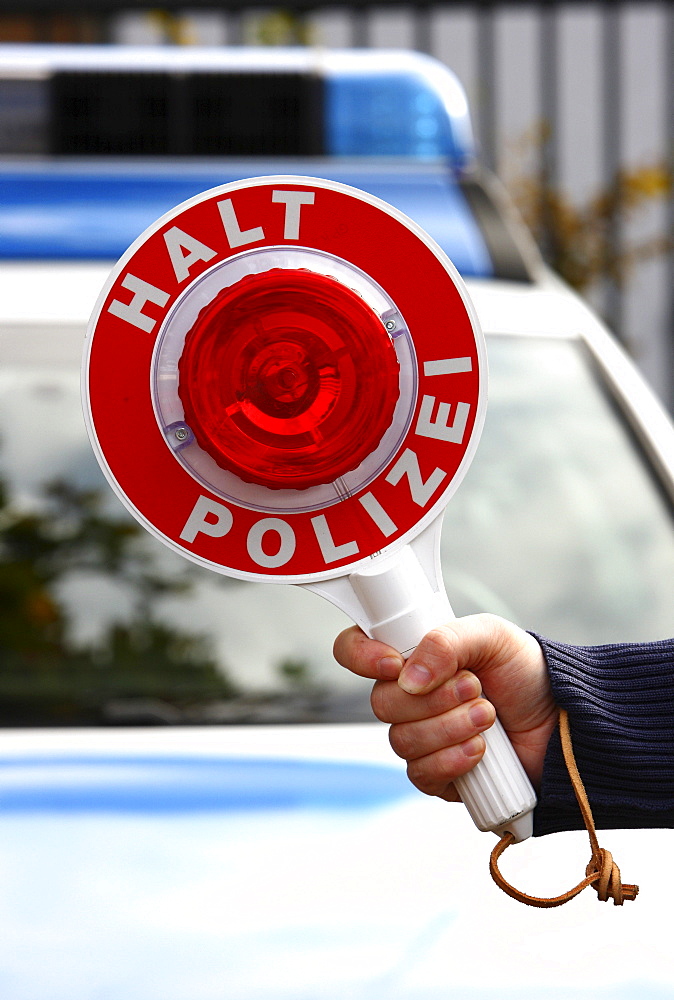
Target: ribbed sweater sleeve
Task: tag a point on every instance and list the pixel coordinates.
(620, 701)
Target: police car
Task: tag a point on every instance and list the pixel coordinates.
(196, 801)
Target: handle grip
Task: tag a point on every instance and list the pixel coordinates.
(497, 792)
(401, 606)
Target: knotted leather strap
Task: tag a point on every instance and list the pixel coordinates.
(602, 872)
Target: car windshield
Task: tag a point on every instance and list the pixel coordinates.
(559, 525)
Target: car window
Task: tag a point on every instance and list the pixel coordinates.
(559, 525)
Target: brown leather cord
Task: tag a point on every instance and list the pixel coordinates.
(602, 872)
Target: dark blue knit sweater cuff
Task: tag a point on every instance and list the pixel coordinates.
(620, 700)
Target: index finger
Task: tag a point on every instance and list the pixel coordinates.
(367, 657)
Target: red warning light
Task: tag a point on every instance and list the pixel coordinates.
(288, 379)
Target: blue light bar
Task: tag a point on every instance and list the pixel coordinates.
(382, 102)
(396, 104)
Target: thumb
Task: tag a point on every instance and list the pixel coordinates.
(434, 661)
(483, 644)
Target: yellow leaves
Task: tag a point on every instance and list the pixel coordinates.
(646, 183)
(282, 27)
(589, 241)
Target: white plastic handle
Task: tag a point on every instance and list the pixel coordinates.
(401, 605)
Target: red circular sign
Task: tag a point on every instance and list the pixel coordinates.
(393, 334)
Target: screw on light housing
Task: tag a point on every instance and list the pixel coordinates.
(166, 377)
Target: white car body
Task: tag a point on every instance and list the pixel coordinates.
(295, 861)
(387, 898)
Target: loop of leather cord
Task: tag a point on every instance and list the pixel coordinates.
(602, 872)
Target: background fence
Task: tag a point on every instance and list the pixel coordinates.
(573, 105)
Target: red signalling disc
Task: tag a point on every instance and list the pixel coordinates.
(284, 377)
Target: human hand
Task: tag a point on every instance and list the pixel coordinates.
(433, 701)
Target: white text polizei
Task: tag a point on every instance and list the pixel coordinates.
(271, 542)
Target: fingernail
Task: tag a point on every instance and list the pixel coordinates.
(414, 678)
(481, 715)
(389, 668)
(466, 688)
(473, 747)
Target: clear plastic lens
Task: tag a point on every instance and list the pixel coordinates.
(288, 379)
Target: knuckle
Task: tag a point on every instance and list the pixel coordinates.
(444, 698)
(438, 652)
(435, 773)
(448, 729)
(438, 642)
(498, 631)
(380, 700)
(345, 646)
(403, 742)
(425, 776)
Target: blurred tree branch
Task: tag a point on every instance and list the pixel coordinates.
(579, 240)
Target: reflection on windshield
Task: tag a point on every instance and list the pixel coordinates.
(558, 526)
(88, 636)
(101, 624)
